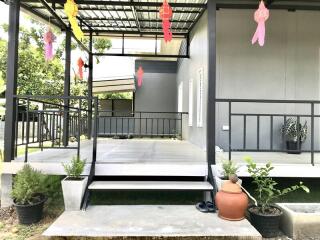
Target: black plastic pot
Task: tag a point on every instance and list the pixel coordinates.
(293, 147)
(267, 225)
(30, 214)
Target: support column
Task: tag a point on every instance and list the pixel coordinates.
(66, 93)
(12, 73)
(90, 79)
(211, 103)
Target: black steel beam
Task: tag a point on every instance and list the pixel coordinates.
(66, 90)
(123, 10)
(141, 29)
(40, 15)
(131, 20)
(134, 13)
(12, 74)
(131, 32)
(140, 55)
(61, 22)
(90, 82)
(126, 3)
(211, 90)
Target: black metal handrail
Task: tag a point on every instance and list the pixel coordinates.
(271, 117)
(140, 123)
(46, 125)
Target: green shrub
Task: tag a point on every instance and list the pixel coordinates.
(27, 185)
(266, 187)
(75, 168)
(52, 185)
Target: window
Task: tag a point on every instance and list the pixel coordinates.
(200, 98)
(180, 97)
(190, 102)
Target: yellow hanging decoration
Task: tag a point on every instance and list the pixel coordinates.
(71, 10)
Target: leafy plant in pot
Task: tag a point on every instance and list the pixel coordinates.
(74, 185)
(28, 194)
(229, 169)
(295, 134)
(265, 216)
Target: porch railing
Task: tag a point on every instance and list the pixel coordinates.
(41, 122)
(140, 124)
(254, 124)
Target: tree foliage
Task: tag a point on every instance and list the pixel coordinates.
(35, 75)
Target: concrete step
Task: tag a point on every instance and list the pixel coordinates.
(151, 169)
(150, 185)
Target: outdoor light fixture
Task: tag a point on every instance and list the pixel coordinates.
(261, 15)
(165, 13)
(140, 73)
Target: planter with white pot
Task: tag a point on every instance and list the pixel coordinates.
(73, 191)
(74, 185)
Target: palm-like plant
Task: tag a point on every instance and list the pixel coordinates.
(294, 131)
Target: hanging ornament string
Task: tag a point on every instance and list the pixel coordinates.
(165, 13)
(71, 10)
(49, 38)
(80, 64)
(140, 73)
(261, 15)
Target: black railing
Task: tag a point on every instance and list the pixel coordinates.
(40, 122)
(140, 124)
(254, 125)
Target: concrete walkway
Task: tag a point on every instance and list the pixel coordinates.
(148, 221)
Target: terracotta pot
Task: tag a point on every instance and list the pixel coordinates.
(231, 202)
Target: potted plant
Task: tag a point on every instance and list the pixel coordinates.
(229, 169)
(74, 185)
(28, 195)
(295, 134)
(264, 215)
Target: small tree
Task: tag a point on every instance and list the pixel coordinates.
(266, 189)
(27, 186)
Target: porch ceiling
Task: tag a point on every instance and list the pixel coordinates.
(140, 17)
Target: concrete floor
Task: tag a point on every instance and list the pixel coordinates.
(148, 221)
(159, 151)
(127, 151)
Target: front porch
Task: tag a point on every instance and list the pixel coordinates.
(161, 157)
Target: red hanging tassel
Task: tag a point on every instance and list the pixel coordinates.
(165, 13)
(80, 64)
(140, 73)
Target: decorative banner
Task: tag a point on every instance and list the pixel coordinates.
(48, 38)
(140, 73)
(71, 10)
(80, 64)
(261, 15)
(165, 13)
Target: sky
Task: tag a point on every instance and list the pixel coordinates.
(108, 66)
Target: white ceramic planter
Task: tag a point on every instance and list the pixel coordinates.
(73, 191)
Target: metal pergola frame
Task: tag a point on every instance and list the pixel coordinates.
(135, 21)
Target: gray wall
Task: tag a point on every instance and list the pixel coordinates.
(287, 67)
(158, 91)
(187, 68)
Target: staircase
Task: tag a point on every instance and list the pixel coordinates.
(149, 177)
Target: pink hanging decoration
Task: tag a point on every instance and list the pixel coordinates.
(166, 14)
(261, 15)
(140, 73)
(49, 38)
